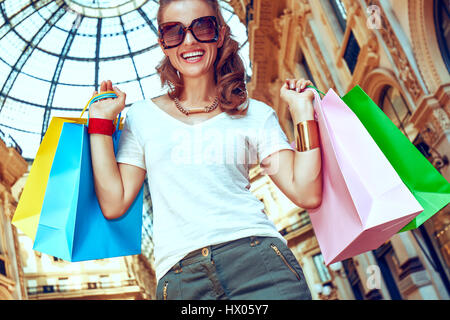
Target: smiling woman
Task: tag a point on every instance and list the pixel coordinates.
(212, 237)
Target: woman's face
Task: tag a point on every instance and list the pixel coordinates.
(185, 11)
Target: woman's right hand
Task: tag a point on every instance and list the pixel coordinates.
(108, 108)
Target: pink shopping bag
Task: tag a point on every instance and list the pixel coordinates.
(364, 200)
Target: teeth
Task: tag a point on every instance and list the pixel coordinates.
(192, 54)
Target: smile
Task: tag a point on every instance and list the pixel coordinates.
(193, 56)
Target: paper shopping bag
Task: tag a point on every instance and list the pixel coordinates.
(364, 200)
(27, 213)
(427, 185)
(71, 225)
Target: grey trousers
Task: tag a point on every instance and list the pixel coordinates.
(252, 268)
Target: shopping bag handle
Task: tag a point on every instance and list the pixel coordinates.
(308, 86)
(100, 96)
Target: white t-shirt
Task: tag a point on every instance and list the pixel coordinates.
(198, 175)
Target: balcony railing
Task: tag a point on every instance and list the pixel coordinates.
(10, 142)
(303, 221)
(80, 287)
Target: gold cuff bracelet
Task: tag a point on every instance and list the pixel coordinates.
(307, 135)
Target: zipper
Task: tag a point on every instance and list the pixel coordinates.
(278, 252)
(165, 290)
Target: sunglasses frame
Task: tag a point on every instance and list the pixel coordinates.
(186, 29)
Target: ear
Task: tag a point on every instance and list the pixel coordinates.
(222, 33)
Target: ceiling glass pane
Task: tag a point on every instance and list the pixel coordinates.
(133, 91)
(11, 48)
(13, 7)
(28, 29)
(30, 89)
(30, 116)
(77, 72)
(117, 70)
(147, 62)
(113, 46)
(5, 69)
(53, 41)
(152, 86)
(40, 65)
(72, 96)
(141, 38)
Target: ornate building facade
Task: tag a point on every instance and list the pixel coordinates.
(12, 167)
(398, 52)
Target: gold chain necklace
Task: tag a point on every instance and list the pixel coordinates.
(197, 110)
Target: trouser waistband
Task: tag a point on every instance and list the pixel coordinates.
(209, 251)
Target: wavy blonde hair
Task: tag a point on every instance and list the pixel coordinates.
(229, 72)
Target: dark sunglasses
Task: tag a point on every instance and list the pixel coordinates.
(204, 29)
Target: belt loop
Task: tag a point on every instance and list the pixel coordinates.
(254, 241)
(211, 254)
(179, 267)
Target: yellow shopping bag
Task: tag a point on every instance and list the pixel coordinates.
(28, 211)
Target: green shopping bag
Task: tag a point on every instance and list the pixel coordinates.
(427, 185)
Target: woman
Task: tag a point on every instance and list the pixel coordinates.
(211, 235)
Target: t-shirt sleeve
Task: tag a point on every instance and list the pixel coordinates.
(129, 150)
(271, 137)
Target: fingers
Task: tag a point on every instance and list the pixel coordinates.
(109, 86)
(103, 86)
(120, 94)
(297, 85)
(106, 86)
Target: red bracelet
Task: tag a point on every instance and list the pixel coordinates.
(101, 126)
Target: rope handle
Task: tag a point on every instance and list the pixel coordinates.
(97, 97)
(308, 86)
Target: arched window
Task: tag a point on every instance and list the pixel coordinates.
(442, 20)
(394, 106)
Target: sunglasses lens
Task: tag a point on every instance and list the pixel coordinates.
(205, 29)
(172, 34)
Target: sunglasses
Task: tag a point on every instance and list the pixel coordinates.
(204, 29)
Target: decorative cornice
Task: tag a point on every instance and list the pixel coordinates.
(425, 45)
(405, 70)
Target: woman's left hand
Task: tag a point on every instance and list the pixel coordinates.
(300, 103)
(292, 89)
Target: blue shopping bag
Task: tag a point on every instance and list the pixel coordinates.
(71, 225)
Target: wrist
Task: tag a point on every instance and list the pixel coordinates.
(302, 110)
(101, 115)
(101, 126)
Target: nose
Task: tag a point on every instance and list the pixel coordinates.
(189, 38)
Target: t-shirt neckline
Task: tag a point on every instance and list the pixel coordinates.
(184, 123)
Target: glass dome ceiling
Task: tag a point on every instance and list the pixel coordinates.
(54, 54)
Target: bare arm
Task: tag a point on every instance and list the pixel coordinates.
(297, 174)
(116, 185)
